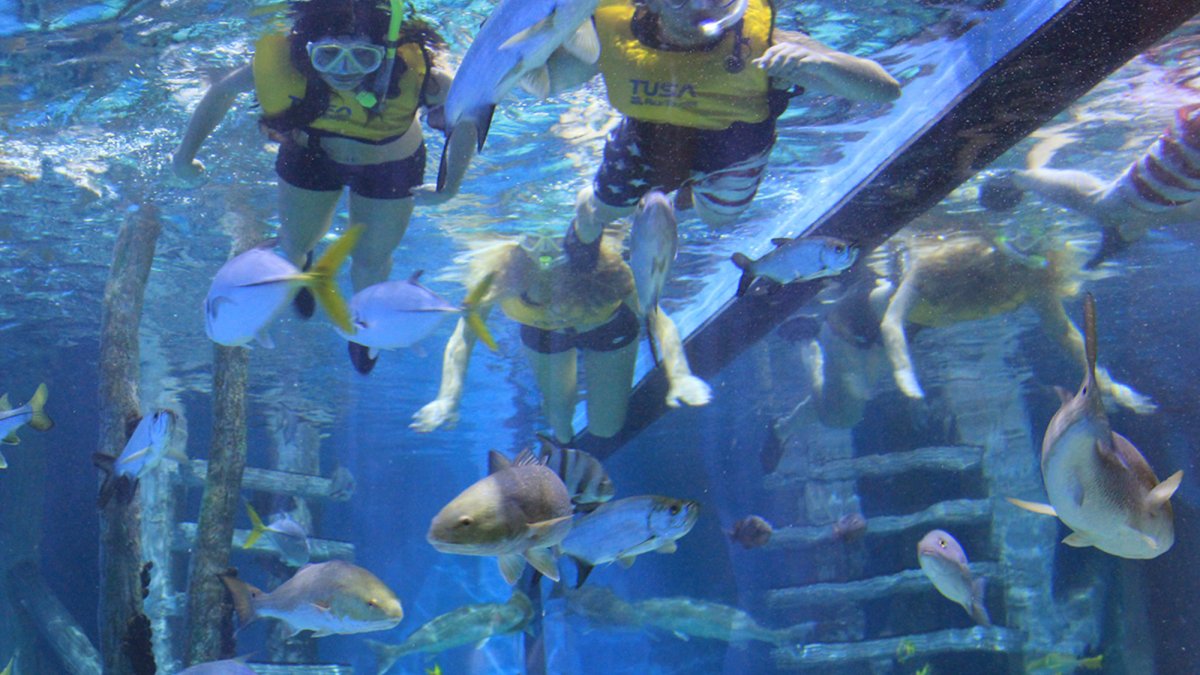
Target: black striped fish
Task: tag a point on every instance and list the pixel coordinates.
(584, 475)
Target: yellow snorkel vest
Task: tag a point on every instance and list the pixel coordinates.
(685, 88)
(278, 85)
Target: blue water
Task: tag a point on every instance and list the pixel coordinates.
(94, 97)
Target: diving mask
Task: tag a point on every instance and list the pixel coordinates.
(727, 14)
(345, 56)
(544, 249)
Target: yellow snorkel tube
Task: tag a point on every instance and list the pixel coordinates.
(375, 98)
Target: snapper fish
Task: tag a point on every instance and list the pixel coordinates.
(622, 530)
(584, 475)
(944, 562)
(511, 48)
(251, 289)
(326, 598)
(151, 441)
(518, 513)
(288, 537)
(32, 413)
(1098, 483)
(799, 259)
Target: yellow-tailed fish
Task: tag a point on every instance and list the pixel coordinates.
(1060, 662)
(287, 537)
(32, 413)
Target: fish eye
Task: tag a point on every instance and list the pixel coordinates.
(840, 248)
(674, 509)
(465, 521)
(372, 603)
(942, 543)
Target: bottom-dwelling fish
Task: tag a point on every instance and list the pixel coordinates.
(518, 513)
(32, 413)
(326, 598)
(626, 528)
(799, 259)
(470, 624)
(688, 617)
(943, 560)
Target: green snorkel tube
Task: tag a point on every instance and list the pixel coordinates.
(375, 98)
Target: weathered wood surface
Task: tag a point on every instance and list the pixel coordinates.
(977, 639)
(942, 514)
(56, 626)
(908, 581)
(321, 549)
(267, 480)
(956, 458)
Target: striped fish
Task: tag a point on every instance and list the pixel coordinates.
(584, 475)
(1167, 176)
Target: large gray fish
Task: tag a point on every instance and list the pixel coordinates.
(626, 528)
(512, 46)
(1098, 483)
(653, 243)
(584, 475)
(518, 513)
(470, 624)
(800, 259)
(688, 617)
(943, 560)
(225, 667)
(288, 537)
(32, 413)
(326, 598)
(253, 287)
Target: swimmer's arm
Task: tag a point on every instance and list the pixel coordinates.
(211, 110)
(437, 84)
(794, 59)
(895, 342)
(684, 387)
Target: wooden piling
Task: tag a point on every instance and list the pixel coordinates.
(53, 622)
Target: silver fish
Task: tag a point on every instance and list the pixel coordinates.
(626, 528)
(800, 259)
(653, 244)
(584, 475)
(511, 47)
(252, 288)
(326, 598)
(688, 617)
(287, 536)
(517, 513)
(1098, 483)
(471, 624)
(225, 667)
(32, 413)
(944, 562)
(150, 442)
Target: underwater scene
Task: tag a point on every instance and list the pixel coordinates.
(599, 336)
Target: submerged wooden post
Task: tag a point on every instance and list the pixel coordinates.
(54, 623)
(535, 637)
(120, 524)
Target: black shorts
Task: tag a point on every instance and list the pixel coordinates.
(311, 169)
(617, 332)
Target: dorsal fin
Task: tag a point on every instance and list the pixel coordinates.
(416, 277)
(526, 458)
(1162, 492)
(496, 462)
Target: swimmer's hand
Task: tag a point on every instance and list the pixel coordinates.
(438, 413)
(794, 64)
(187, 172)
(688, 390)
(427, 195)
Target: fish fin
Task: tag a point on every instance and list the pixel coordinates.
(548, 443)
(257, 528)
(474, 318)
(131, 425)
(3, 462)
(243, 597)
(40, 420)
(134, 455)
(536, 82)
(681, 636)
(546, 23)
(527, 458)
(321, 278)
(582, 571)
(263, 338)
(1064, 396)
(386, 655)
(1089, 332)
(1078, 540)
(543, 561)
(511, 567)
(460, 146)
(977, 611)
(482, 127)
(321, 607)
(650, 337)
(178, 455)
(415, 278)
(11, 439)
(1043, 509)
(584, 43)
(497, 462)
(669, 547)
(1162, 492)
(780, 241)
(626, 561)
(478, 645)
(542, 530)
(746, 265)
(4, 403)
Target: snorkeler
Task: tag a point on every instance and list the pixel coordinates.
(340, 92)
(565, 312)
(1158, 189)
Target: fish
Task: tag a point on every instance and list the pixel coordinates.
(600, 606)
(653, 244)
(688, 617)
(799, 259)
(622, 530)
(288, 537)
(584, 475)
(223, 667)
(325, 598)
(944, 562)
(397, 314)
(905, 650)
(751, 532)
(250, 290)
(850, 527)
(32, 413)
(341, 484)
(151, 441)
(435, 670)
(1064, 663)
(511, 48)
(8, 670)
(471, 624)
(518, 513)
(1099, 485)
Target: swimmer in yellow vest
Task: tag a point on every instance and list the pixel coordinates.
(340, 92)
(564, 313)
(700, 83)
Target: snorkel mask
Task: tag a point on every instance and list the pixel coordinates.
(544, 249)
(1022, 245)
(733, 11)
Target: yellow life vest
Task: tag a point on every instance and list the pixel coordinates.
(278, 85)
(685, 88)
(553, 317)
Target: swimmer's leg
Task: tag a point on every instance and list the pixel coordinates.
(558, 380)
(305, 217)
(386, 220)
(610, 380)
(1075, 190)
(894, 339)
(721, 197)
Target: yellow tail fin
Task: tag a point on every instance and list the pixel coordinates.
(471, 310)
(256, 527)
(321, 278)
(40, 420)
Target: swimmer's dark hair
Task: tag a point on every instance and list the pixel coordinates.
(316, 19)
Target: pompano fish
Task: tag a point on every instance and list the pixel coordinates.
(224, 667)
(688, 617)
(799, 259)
(287, 536)
(396, 314)
(517, 513)
(943, 560)
(151, 441)
(253, 287)
(32, 413)
(470, 624)
(326, 598)
(653, 243)
(512, 46)
(586, 480)
(1098, 483)
(626, 528)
